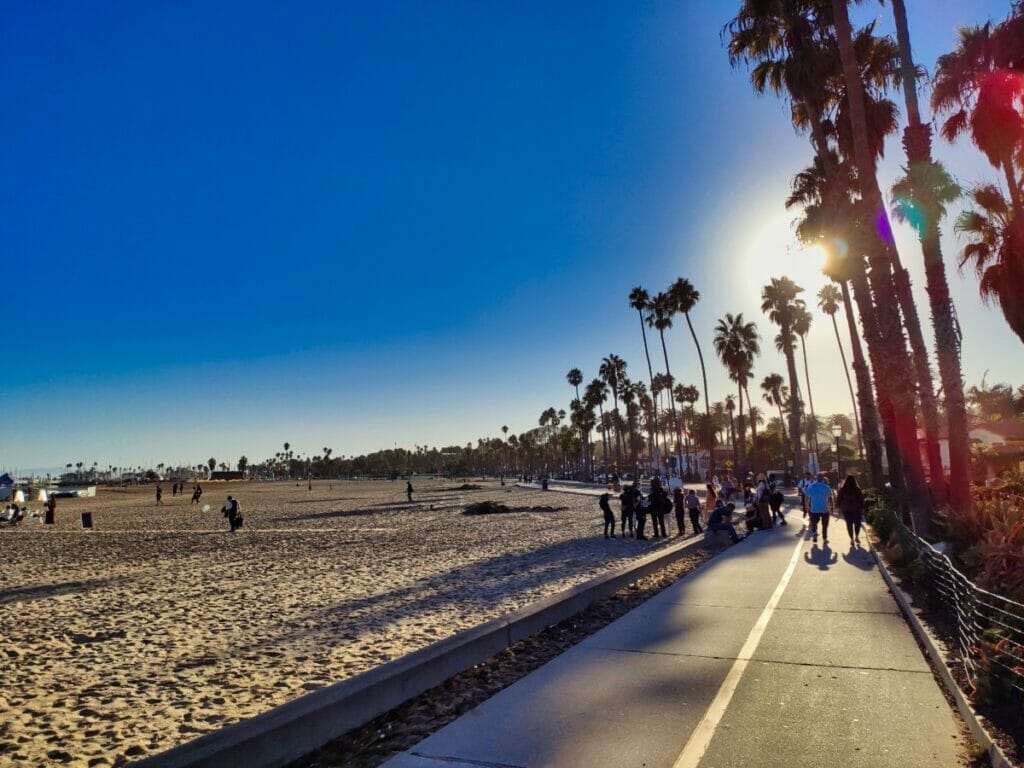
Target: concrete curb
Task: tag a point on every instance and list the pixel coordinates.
(973, 720)
(300, 726)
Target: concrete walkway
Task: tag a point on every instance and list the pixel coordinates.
(779, 652)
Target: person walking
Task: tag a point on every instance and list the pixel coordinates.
(159, 495)
(408, 491)
(776, 500)
(609, 516)
(851, 503)
(819, 505)
(806, 480)
(197, 493)
(641, 507)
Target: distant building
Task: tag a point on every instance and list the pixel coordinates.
(227, 475)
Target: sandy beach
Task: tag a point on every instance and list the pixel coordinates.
(159, 625)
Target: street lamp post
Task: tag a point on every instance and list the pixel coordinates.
(837, 432)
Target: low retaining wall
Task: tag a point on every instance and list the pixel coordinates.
(299, 727)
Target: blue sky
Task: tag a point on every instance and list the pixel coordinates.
(226, 225)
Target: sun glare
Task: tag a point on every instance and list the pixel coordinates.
(774, 251)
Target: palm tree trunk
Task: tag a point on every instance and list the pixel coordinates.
(849, 383)
(618, 428)
(672, 401)
(742, 429)
(753, 428)
(794, 400)
(707, 400)
(868, 411)
(810, 399)
(887, 299)
(604, 434)
(652, 435)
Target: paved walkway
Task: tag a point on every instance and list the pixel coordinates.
(779, 652)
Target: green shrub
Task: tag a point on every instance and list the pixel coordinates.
(880, 510)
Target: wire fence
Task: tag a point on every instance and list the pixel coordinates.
(989, 627)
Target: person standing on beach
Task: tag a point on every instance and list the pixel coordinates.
(660, 504)
(693, 507)
(159, 495)
(679, 503)
(628, 501)
(51, 510)
(232, 511)
(851, 503)
(408, 491)
(819, 504)
(609, 516)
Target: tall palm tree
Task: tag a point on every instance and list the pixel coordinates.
(660, 317)
(778, 301)
(686, 395)
(922, 196)
(737, 343)
(640, 300)
(829, 300)
(683, 298)
(801, 327)
(613, 372)
(595, 396)
(888, 301)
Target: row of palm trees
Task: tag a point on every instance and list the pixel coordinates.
(837, 80)
(737, 344)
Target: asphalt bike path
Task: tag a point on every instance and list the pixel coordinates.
(778, 652)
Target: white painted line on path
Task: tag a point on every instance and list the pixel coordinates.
(701, 737)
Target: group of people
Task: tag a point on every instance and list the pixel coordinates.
(819, 502)
(12, 514)
(178, 489)
(762, 505)
(636, 509)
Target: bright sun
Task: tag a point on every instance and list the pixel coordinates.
(773, 251)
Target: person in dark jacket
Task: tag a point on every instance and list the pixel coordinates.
(851, 503)
(659, 505)
(629, 499)
(609, 516)
(679, 502)
(721, 520)
(233, 512)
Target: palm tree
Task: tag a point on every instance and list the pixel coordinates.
(595, 396)
(660, 317)
(801, 327)
(640, 300)
(613, 372)
(922, 196)
(737, 343)
(989, 229)
(778, 301)
(975, 84)
(829, 299)
(684, 297)
(775, 392)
